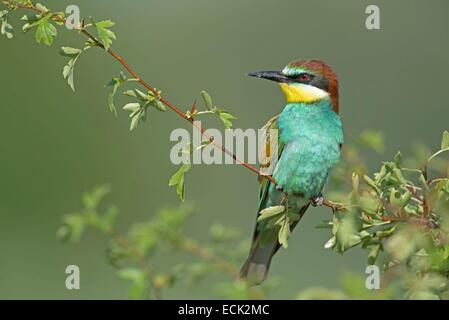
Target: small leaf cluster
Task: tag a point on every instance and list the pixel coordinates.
(138, 110)
(177, 179)
(42, 23)
(400, 214)
(106, 35)
(225, 116)
(73, 54)
(5, 28)
(76, 223)
(137, 253)
(278, 218)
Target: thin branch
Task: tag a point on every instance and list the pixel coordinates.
(426, 208)
(338, 207)
(192, 247)
(438, 180)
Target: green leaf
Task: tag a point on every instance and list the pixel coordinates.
(131, 274)
(45, 32)
(130, 93)
(346, 230)
(225, 117)
(31, 21)
(330, 243)
(445, 140)
(138, 279)
(5, 29)
(270, 212)
(149, 99)
(132, 106)
(137, 112)
(405, 198)
(41, 7)
(73, 228)
(70, 52)
(67, 72)
(115, 83)
(69, 68)
(207, 100)
(178, 180)
(284, 232)
(395, 197)
(92, 199)
(370, 182)
(355, 186)
(106, 35)
(159, 105)
(423, 182)
(107, 220)
(398, 159)
(398, 174)
(136, 119)
(142, 96)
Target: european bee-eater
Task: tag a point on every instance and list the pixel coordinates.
(309, 141)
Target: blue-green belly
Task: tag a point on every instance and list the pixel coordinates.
(312, 135)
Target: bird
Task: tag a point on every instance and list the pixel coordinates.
(309, 141)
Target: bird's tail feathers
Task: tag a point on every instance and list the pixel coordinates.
(256, 267)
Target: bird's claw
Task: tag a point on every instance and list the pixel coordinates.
(284, 194)
(318, 200)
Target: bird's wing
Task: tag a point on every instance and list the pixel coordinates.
(265, 241)
(267, 157)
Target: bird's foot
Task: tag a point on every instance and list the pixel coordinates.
(284, 198)
(318, 200)
(284, 194)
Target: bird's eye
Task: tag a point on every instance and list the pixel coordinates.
(304, 77)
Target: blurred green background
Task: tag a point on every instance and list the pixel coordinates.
(56, 144)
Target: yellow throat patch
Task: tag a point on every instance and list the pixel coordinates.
(295, 93)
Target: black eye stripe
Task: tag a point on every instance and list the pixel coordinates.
(317, 81)
(320, 82)
(298, 76)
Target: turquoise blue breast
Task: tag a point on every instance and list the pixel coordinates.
(312, 134)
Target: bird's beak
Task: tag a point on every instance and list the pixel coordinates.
(270, 75)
